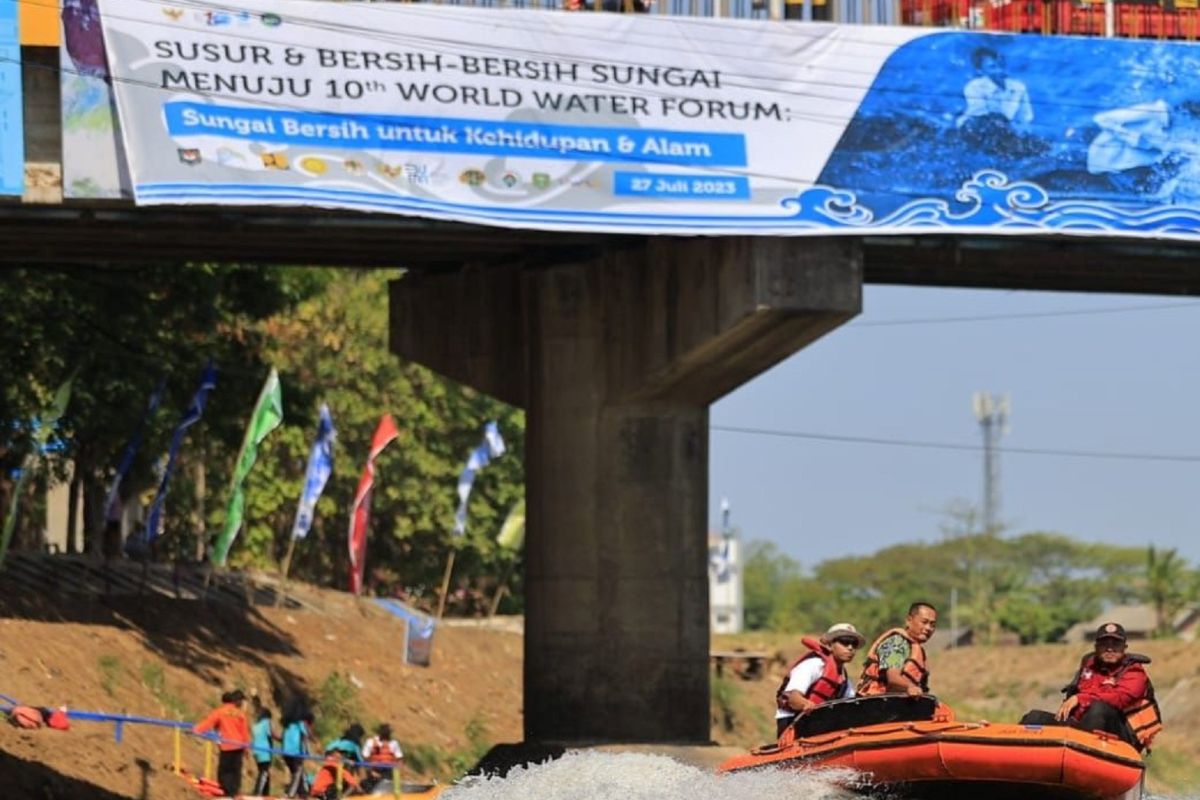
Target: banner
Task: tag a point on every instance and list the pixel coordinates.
(512, 532)
(12, 114)
(43, 430)
(93, 160)
(418, 634)
(139, 545)
(112, 503)
(360, 511)
(320, 466)
(653, 124)
(491, 447)
(267, 415)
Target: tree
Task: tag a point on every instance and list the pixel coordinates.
(122, 329)
(765, 572)
(332, 348)
(1166, 576)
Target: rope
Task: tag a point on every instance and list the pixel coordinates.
(119, 720)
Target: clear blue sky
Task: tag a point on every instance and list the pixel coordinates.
(1125, 382)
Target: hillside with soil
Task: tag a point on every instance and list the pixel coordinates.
(167, 658)
(991, 683)
(172, 659)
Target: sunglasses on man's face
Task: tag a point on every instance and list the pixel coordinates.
(847, 642)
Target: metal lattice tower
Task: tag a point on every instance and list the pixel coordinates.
(992, 412)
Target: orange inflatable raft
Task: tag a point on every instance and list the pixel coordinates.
(914, 747)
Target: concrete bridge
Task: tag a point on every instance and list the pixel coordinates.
(615, 346)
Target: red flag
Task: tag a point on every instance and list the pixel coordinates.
(360, 511)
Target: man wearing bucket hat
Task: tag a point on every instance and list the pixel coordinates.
(1110, 692)
(819, 675)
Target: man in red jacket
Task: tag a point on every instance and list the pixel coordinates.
(1111, 692)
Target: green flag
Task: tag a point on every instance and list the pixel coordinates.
(42, 435)
(268, 413)
(512, 532)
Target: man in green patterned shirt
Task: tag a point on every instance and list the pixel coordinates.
(896, 661)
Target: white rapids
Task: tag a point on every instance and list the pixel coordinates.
(590, 775)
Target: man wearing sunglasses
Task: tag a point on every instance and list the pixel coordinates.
(1110, 692)
(817, 676)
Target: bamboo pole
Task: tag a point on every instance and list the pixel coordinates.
(446, 583)
(284, 569)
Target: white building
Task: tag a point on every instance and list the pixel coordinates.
(725, 603)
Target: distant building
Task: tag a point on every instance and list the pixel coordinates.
(1139, 622)
(725, 590)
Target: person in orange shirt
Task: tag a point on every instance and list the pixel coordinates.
(233, 731)
(325, 785)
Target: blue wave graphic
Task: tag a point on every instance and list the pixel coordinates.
(990, 200)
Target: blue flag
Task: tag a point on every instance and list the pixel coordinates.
(110, 501)
(320, 465)
(195, 410)
(491, 447)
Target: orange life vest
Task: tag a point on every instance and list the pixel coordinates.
(1143, 715)
(829, 686)
(26, 717)
(873, 681)
(381, 751)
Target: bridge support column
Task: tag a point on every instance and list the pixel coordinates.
(616, 358)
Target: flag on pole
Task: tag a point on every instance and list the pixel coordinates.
(268, 413)
(492, 447)
(320, 466)
(195, 410)
(512, 532)
(111, 500)
(41, 435)
(360, 511)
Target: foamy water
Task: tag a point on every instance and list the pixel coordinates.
(589, 775)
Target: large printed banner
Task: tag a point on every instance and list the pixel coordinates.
(654, 124)
(12, 126)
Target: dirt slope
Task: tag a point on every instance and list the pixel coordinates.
(172, 659)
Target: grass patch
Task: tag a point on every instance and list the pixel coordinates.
(723, 698)
(110, 674)
(338, 705)
(1172, 772)
(154, 679)
(446, 764)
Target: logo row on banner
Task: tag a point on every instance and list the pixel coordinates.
(629, 123)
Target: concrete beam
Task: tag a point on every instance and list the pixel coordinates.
(615, 359)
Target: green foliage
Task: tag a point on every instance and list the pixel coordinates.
(722, 696)
(1036, 585)
(154, 679)
(1165, 587)
(337, 705)
(766, 572)
(110, 674)
(332, 349)
(450, 764)
(123, 329)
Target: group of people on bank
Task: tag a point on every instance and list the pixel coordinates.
(339, 773)
(1110, 692)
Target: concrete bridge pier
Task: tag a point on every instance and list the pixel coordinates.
(616, 357)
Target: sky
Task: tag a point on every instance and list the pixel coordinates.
(1125, 381)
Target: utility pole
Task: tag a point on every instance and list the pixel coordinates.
(992, 412)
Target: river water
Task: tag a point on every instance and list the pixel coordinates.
(590, 775)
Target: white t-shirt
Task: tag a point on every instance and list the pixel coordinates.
(801, 679)
(376, 745)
